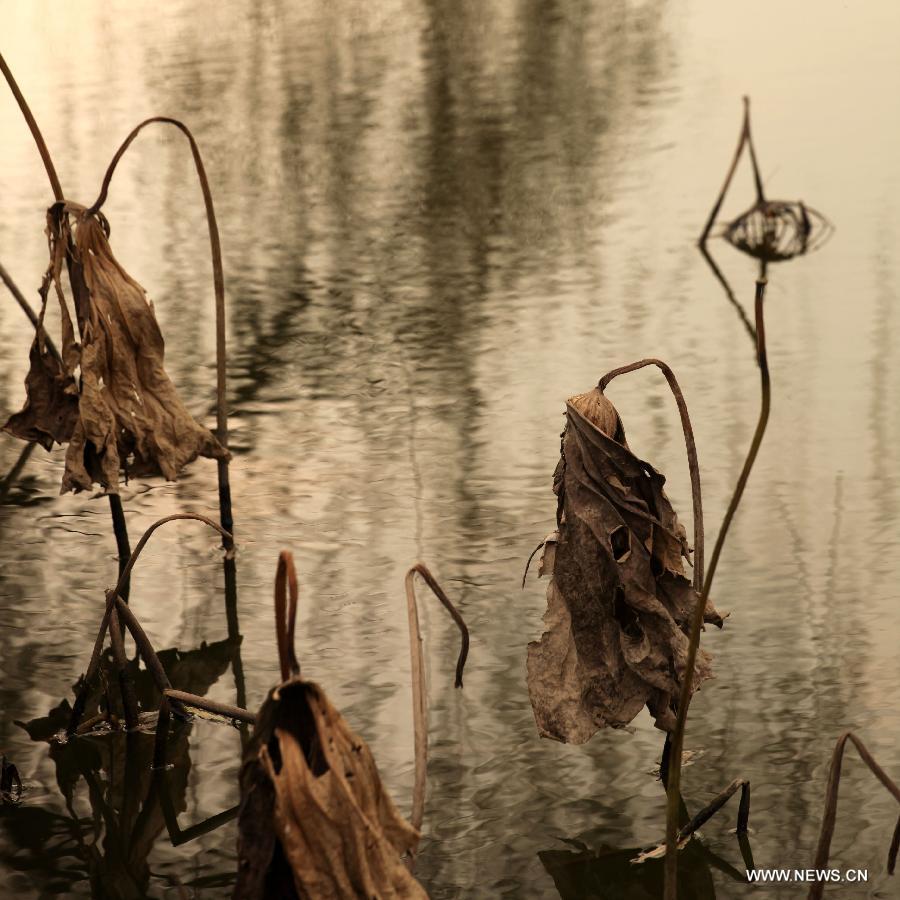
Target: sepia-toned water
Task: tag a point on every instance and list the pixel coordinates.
(439, 220)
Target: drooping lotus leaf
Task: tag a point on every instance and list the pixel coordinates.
(109, 398)
(315, 820)
(618, 602)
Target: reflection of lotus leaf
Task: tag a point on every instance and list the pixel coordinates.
(194, 670)
(608, 874)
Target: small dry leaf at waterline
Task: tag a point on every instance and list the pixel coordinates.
(121, 411)
(315, 820)
(618, 602)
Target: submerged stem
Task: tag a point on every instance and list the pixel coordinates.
(674, 782)
(690, 447)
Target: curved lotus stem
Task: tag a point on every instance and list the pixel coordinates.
(420, 699)
(690, 447)
(831, 799)
(673, 787)
(219, 289)
(114, 599)
(286, 614)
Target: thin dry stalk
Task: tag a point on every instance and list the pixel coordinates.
(690, 447)
(35, 131)
(705, 814)
(111, 600)
(129, 700)
(28, 309)
(123, 545)
(163, 720)
(225, 513)
(15, 471)
(895, 847)
(145, 648)
(220, 709)
(674, 779)
(831, 798)
(420, 697)
(744, 138)
(286, 615)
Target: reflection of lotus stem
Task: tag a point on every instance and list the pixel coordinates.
(690, 446)
(417, 660)
(674, 779)
(113, 598)
(225, 514)
(831, 798)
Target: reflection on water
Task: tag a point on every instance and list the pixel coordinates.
(439, 220)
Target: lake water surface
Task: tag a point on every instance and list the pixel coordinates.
(439, 220)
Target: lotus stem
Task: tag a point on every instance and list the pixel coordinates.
(16, 470)
(129, 700)
(420, 697)
(123, 545)
(673, 789)
(831, 798)
(213, 706)
(286, 615)
(111, 597)
(690, 447)
(163, 719)
(35, 131)
(744, 138)
(27, 308)
(225, 513)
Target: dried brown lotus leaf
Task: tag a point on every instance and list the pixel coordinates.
(336, 833)
(619, 603)
(125, 413)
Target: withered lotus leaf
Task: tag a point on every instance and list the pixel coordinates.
(618, 602)
(110, 399)
(336, 833)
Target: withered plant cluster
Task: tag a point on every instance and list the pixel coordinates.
(623, 620)
(315, 820)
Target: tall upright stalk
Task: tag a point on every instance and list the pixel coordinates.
(745, 138)
(673, 788)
